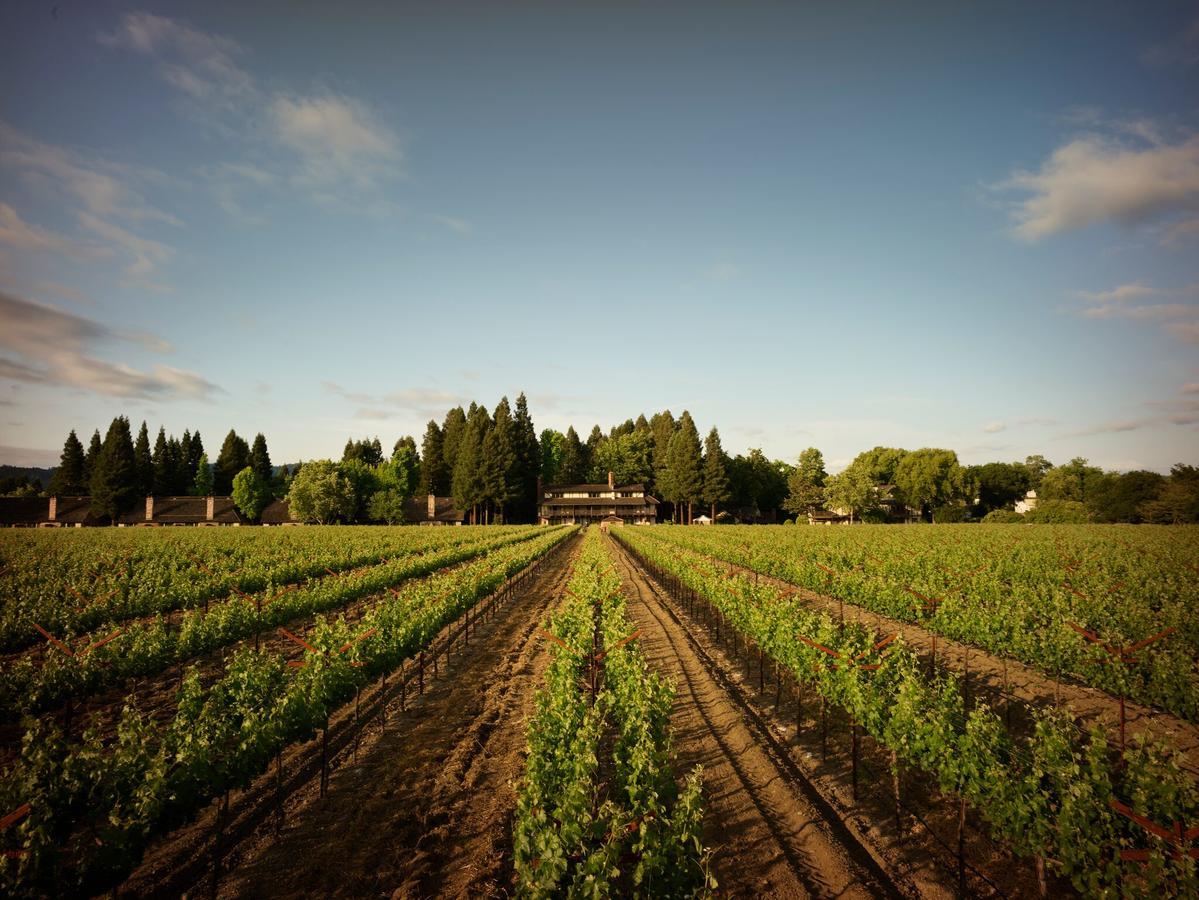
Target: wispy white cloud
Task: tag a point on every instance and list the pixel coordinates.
(31, 238)
(460, 226)
(994, 427)
(1132, 174)
(49, 346)
(334, 146)
(144, 254)
(1180, 316)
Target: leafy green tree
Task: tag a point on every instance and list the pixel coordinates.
(251, 493)
(1000, 485)
(805, 486)
(1073, 481)
(404, 469)
(1036, 466)
(852, 490)
(1178, 501)
(931, 477)
(387, 506)
(626, 454)
(434, 478)
(880, 463)
(114, 486)
(234, 456)
(321, 493)
(143, 462)
(364, 480)
(1119, 497)
(203, 483)
(260, 460)
(69, 478)
(716, 474)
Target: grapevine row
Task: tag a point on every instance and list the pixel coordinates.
(576, 833)
(1049, 796)
(91, 807)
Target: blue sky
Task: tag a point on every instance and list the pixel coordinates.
(836, 225)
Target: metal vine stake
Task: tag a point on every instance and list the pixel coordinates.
(1121, 655)
(1178, 838)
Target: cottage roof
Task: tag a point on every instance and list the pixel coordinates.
(598, 501)
(578, 488)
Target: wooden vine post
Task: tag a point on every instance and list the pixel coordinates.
(928, 606)
(1119, 655)
(848, 662)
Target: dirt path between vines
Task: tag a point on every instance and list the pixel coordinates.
(995, 679)
(771, 837)
(426, 809)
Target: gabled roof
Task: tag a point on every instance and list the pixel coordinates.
(74, 511)
(23, 510)
(276, 513)
(598, 501)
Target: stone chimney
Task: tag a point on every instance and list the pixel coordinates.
(210, 509)
(150, 508)
(53, 508)
(611, 481)
(432, 501)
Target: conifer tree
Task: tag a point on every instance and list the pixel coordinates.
(174, 464)
(685, 479)
(114, 487)
(195, 451)
(716, 476)
(202, 487)
(163, 472)
(501, 473)
(260, 459)
(185, 475)
(433, 472)
(574, 459)
(452, 430)
(234, 456)
(663, 426)
(90, 459)
(70, 476)
(144, 464)
(528, 454)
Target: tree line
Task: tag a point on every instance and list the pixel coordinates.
(489, 462)
(884, 483)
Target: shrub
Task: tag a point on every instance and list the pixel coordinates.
(1002, 517)
(1058, 512)
(944, 515)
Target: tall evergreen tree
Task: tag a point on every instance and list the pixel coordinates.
(143, 462)
(433, 475)
(195, 452)
(202, 486)
(164, 473)
(684, 474)
(114, 487)
(663, 426)
(260, 459)
(574, 459)
(91, 458)
(591, 449)
(452, 430)
(716, 476)
(70, 477)
(501, 470)
(174, 461)
(185, 475)
(234, 456)
(467, 484)
(528, 454)
(553, 448)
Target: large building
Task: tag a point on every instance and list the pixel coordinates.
(582, 504)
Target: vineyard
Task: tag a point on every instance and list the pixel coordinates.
(1080, 806)
(83, 806)
(177, 700)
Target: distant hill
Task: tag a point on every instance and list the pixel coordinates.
(34, 472)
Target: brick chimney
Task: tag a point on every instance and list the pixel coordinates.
(53, 508)
(611, 481)
(150, 508)
(210, 509)
(432, 501)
